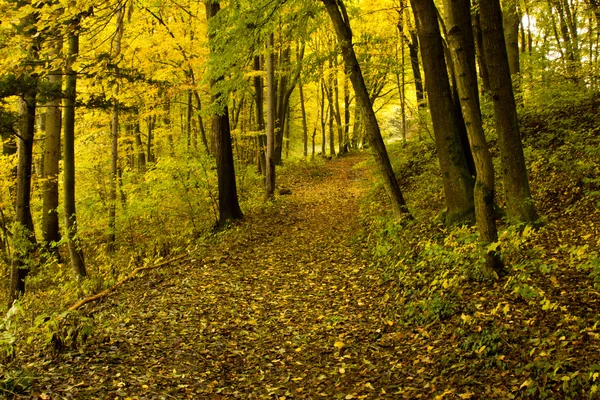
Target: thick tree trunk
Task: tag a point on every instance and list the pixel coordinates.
(519, 203)
(460, 37)
(24, 233)
(271, 111)
(75, 251)
(50, 226)
(229, 208)
(341, 23)
(457, 180)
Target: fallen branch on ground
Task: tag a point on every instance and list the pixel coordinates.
(111, 289)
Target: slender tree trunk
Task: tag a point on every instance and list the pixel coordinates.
(229, 208)
(519, 203)
(341, 23)
(151, 123)
(271, 111)
(286, 86)
(304, 126)
(201, 122)
(50, 228)
(477, 35)
(114, 130)
(139, 146)
(346, 113)
(331, 131)
(323, 120)
(457, 180)
(191, 142)
(460, 37)
(260, 116)
(75, 250)
(511, 22)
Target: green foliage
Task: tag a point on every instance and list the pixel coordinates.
(9, 328)
(65, 331)
(14, 383)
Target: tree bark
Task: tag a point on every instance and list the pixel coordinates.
(271, 111)
(260, 116)
(341, 23)
(75, 250)
(229, 208)
(519, 203)
(50, 225)
(114, 135)
(201, 122)
(511, 22)
(477, 35)
(457, 180)
(304, 125)
(139, 146)
(24, 234)
(460, 37)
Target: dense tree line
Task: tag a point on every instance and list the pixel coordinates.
(116, 97)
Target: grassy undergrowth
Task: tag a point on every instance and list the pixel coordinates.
(535, 333)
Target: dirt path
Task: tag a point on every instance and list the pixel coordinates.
(284, 307)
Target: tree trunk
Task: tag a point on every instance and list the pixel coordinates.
(511, 22)
(114, 135)
(75, 250)
(477, 35)
(341, 23)
(331, 131)
(260, 116)
(323, 119)
(271, 111)
(24, 233)
(229, 208)
(346, 113)
(201, 122)
(460, 37)
(286, 86)
(151, 122)
(519, 203)
(139, 146)
(304, 126)
(50, 228)
(191, 139)
(457, 180)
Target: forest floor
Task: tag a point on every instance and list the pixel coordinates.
(283, 307)
(309, 297)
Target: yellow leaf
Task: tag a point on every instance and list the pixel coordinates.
(338, 345)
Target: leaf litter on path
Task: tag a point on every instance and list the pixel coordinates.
(283, 307)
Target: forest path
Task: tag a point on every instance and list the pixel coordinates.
(283, 307)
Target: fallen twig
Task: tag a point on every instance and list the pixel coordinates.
(111, 289)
